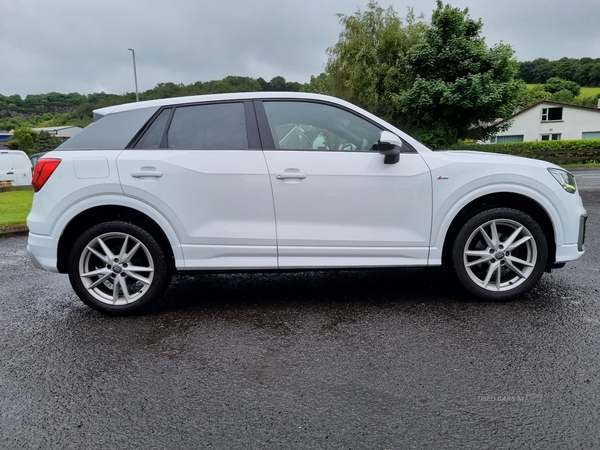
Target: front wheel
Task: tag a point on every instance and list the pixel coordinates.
(118, 268)
(500, 254)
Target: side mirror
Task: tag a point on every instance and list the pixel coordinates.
(389, 145)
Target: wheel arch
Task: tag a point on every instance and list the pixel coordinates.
(89, 217)
(503, 200)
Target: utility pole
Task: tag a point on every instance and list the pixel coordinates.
(137, 97)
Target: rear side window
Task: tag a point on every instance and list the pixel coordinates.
(199, 127)
(153, 137)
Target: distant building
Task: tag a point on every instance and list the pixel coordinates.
(4, 137)
(63, 132)
(550, 121)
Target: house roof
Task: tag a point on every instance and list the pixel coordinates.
(59, 128)
(550, 103)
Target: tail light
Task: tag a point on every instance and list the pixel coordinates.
(43, 170)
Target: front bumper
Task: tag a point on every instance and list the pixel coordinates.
(582, 228)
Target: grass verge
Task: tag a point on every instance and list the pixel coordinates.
(14, 207)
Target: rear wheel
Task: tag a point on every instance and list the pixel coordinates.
(118, 268)
(500, 254)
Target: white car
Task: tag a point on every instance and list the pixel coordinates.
(283, 181)
(15, 168)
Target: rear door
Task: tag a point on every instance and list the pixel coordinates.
(22, 168)
(202, 167)
(7, 170)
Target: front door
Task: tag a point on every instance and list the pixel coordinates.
(337, 204)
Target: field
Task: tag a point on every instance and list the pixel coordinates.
(585, 91)
(589, 91)
(14, 207)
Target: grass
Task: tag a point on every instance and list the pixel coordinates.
(14, 207)
(585, 91)
(589, 91)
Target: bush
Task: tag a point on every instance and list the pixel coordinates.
(588, 150)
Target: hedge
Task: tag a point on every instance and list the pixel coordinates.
(560, 152)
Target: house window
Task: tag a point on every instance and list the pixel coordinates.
(551, 137)
(590, 135)
(549, 114)
(507, 139)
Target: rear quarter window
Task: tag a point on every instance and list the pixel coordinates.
(112, 132)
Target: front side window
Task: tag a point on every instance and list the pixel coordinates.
(316, 126)
(198, 127)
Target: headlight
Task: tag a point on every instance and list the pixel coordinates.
(565, 179)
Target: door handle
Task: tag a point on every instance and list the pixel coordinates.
(10, 173)
(290, 175)
(147, 174)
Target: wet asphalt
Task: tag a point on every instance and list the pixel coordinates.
(366, 359)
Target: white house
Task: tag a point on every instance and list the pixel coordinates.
(548, 121)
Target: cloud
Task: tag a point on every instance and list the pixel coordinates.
(76, 46)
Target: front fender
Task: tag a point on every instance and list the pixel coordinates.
(449, 201)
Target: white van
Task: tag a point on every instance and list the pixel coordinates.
(15, 168)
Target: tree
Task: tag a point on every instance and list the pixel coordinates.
(532, 96)
(23, 139)
(556, 84)
(367, 63)
(591, 101)
(46, 142)
(318, 85)
(563, 96)
(460, 85)
(584, 71)
(277, 84)
(438, 81)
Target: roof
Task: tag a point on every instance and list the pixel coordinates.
(60, 128)
(218, 97)
(551, 103)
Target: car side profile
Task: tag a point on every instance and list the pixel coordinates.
(287, 181)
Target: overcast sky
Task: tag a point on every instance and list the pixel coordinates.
(81, 45)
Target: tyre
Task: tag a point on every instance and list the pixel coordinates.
(500, 254)
(118, 268)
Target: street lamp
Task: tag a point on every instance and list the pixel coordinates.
(137, 98)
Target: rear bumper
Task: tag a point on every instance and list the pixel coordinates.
(42, 250)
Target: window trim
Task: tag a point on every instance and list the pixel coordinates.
(550, 136)
(583, 133)
(252, 133)
(547, 114)
(494, 139)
